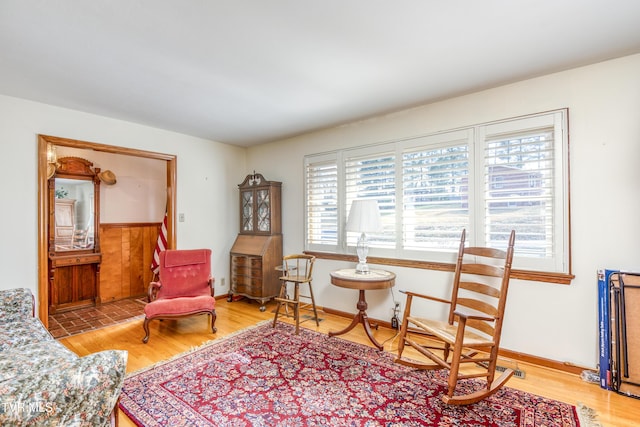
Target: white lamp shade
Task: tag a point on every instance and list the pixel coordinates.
(364, 216)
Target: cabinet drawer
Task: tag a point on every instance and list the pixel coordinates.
(75, 260)
(239, 261)
(244, 261)
(245, 271)
(248, 290)
(238, 270)
(248, 281)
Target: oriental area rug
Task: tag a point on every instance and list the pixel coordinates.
(264, 376)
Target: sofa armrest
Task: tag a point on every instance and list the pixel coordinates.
(79, 393)
(16, 304)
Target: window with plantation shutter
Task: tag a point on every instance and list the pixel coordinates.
(524, 188)
(489, 179)
(322, 203)
(435, 191)
(372, 176)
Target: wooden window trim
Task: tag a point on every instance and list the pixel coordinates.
(530, 275)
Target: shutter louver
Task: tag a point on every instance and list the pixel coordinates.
(518, 191)
(322, 203)
(435, 192)
(373, 177)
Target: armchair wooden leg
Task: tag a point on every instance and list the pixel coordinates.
(213, 322)
(145, 325)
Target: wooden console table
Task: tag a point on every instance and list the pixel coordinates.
(375, 279)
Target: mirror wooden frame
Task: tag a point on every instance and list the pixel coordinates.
(74, 272)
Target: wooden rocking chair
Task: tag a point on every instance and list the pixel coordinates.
(471, 335)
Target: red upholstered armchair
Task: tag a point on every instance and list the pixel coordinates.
(185, 288)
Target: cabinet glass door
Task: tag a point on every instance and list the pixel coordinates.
(247, 210)
(263, 210)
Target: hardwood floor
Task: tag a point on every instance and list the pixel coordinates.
(169, 338)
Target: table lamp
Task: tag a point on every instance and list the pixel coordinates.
(364, 217)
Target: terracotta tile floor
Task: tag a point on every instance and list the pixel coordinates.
(86, 319)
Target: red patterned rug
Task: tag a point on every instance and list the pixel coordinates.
(270, 377)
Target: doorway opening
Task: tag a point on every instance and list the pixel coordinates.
(45, 142)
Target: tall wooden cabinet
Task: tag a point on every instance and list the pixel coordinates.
(73, 235)
(257, 250)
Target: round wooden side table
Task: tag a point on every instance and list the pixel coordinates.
(375, 279)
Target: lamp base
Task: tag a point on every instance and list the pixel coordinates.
(362, 268)
(362, 248)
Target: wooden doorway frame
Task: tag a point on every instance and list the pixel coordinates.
(43, 203)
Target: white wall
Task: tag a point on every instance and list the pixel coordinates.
(557, 322)
(208, 174)
(140, 192)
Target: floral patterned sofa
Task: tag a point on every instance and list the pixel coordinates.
(42, 383)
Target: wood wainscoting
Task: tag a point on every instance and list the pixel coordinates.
(127, 251)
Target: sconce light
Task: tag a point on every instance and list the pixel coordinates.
(52, 155)
(52, 160)
(364, 217)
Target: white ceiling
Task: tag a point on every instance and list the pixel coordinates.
(246, 72)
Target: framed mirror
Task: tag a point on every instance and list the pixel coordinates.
(74, 207)
(74, 212)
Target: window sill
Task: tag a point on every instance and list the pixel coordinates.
(535, 276)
